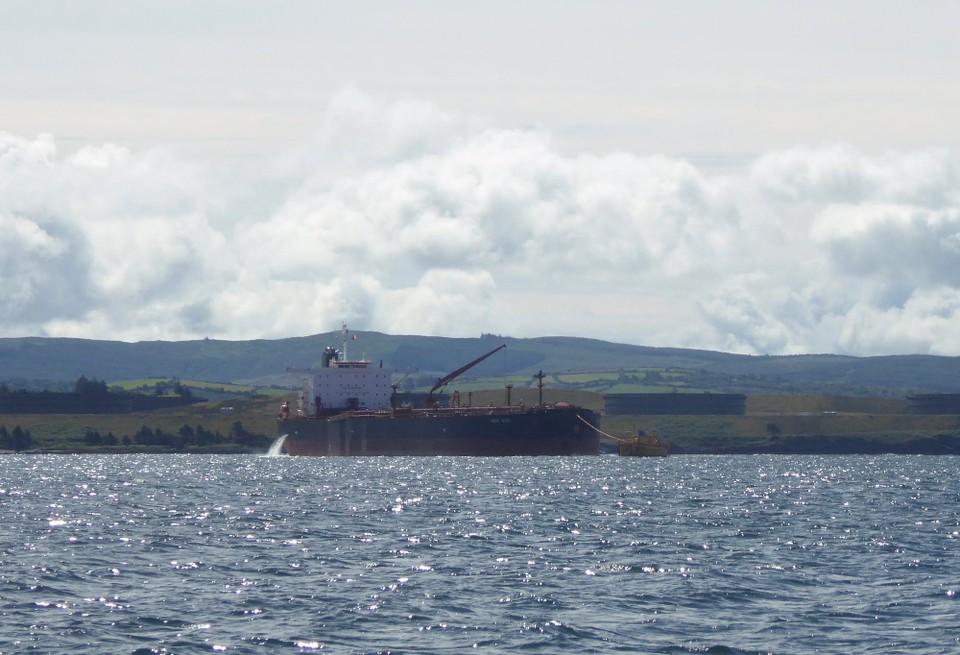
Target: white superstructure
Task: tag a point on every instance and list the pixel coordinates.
(342, 385)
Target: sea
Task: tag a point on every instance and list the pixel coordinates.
(687, 554)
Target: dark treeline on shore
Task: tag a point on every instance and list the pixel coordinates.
(17, 439)
(186, 438)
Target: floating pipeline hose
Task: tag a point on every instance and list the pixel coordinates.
(610, 436)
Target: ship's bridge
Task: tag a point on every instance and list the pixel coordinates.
(350, 364)
(341, 384)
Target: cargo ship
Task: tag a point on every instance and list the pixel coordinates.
(351, 408)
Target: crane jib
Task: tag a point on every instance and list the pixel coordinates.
(460, 371)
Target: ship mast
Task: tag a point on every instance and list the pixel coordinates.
(539, 376)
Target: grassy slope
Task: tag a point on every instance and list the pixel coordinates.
(802, 424)
(60, 431)
(263, 362)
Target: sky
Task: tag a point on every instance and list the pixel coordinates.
(753, 177)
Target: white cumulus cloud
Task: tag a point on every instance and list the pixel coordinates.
(404, 218)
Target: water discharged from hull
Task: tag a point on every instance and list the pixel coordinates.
(276, 448)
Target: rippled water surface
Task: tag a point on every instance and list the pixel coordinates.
(242, 554)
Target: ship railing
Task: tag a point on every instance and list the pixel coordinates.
(489, 410)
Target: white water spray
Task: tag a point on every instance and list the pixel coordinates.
(276, 448)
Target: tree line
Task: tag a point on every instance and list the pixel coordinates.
(92, 388)
(17, 439)
(185, 437)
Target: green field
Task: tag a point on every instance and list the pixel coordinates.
(197, 388)
(628, 380)
(793, 423)
(151, 383)
(256, 414)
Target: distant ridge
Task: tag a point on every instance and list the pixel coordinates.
(263, 362)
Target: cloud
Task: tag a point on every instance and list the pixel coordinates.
(357, 129)
(403, 218)
(38, 271)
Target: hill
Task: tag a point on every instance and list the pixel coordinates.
(33, 361)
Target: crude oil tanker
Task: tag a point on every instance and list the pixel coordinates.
(350, 408)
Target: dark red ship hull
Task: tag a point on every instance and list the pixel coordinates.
(493, 431)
